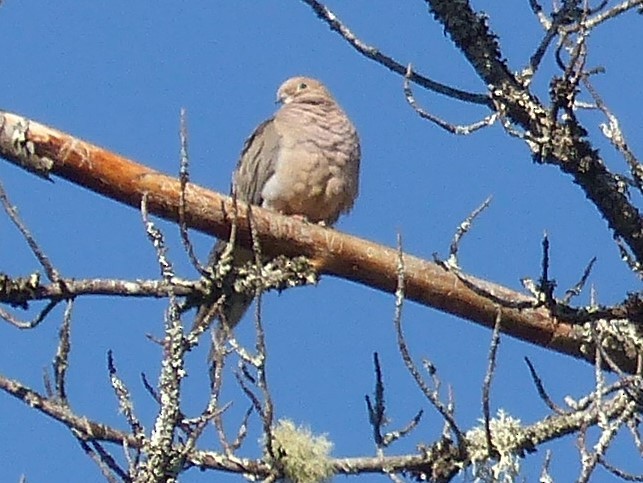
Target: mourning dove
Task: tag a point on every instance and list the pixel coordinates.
(303, 161)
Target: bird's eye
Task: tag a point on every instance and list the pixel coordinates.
(303, 86)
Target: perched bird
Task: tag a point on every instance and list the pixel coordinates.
(303, 161)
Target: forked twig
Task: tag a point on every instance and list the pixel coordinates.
(377, 413)
(445, 411)
(34, 322)
(452, 128)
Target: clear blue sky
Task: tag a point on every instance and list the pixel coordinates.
(116, 73)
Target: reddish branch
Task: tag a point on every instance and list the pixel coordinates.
(33, 145)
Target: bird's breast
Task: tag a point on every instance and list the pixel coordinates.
(316, 172)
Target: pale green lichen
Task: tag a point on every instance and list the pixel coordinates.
(506, 436)
(618, 334)
(277, 274)
(302, 456)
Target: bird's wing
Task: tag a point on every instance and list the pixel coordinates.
(257, 163)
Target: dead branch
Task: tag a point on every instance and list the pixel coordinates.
(376, 54)
(561, 142)
(439, 460)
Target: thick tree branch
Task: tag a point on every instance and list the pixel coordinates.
(28, 144)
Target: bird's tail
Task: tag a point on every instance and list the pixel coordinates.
(234, 304)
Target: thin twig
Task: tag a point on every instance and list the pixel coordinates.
(612, 12)
(541, 50)
(34, 322)
(546, 286)
(377, 414)
(462, 230)
(628, 257)
(12, 212)
(612, 131)
(452, 128)
(242, 432)
(432, 396)
(158, 241)
(217, 359)
(376, 409)
(610, 429)
(105, 461)
(124, 399)
(578, 288)
(486, 386)
(184, 178)
(61, 360)
(540, 387)
(545, 477)
(623, 475)
(538, 11)
(267, 412)
(102, 462)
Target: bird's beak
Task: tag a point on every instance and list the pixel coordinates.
(283, 98)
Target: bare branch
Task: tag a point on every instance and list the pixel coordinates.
(610, 429)
(163, 459)
(612, 131)
(375, 54)
(158, 241)
(486, 386)
(267, 410)
(612, 12)
(442, 458)
(452, 128)
(578, 288)
(105, 462)
(376, 409)
(541, 50)
(431, 395)
(545, 477)
(541, 388)
(624, 475)
(61, 360)
(12, 212)
(463, 229)
(538, 11)
(377, 414)
(546, 285)
(125, 404)
(184, 178)
(74, 288)
(34, 322)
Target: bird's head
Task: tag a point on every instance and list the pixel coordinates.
(302, 89)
